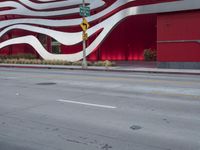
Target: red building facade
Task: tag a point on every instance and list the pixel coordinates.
(120, 30)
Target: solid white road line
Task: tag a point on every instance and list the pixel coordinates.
(87, 104)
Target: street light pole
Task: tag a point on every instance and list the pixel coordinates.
(84, 63)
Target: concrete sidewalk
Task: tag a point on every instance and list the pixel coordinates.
(114, 69)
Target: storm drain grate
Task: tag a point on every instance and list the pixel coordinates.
(46, 83)
(136, 127)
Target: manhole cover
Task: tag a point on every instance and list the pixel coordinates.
(135, 127)
(46, 83)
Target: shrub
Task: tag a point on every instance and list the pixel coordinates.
(67, 63)
(107, 63)
(98, 63)
(56, 49)
(150, 55)
(54, 62)
(77, 63)
(18, 56)
(3, 57)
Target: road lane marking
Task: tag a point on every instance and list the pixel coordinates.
(87, 104)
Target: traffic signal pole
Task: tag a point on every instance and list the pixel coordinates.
(84, 63)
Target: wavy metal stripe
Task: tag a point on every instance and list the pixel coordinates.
(57, 4)
(153, 8)
(21, 10)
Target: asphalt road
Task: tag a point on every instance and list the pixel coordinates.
(80, 110)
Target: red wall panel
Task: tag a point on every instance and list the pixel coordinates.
(179, 52)
(172, 28)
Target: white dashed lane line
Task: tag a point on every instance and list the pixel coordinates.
(87, 104)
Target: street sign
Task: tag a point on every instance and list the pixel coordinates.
(85, 36)
(84, 11)
(84, 25)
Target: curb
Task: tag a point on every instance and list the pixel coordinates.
(146, 70)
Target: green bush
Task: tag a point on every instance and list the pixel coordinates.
(3, 57)
(56, 49)
(54, 62)
(18, 56)
(105, 63)
(67, 63)
(150, 55)
(108, 63)
(77, 63)
(98, 63)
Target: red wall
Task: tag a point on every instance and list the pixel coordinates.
(178, 26)
(128, 40)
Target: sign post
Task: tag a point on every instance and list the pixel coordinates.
(84, 12)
